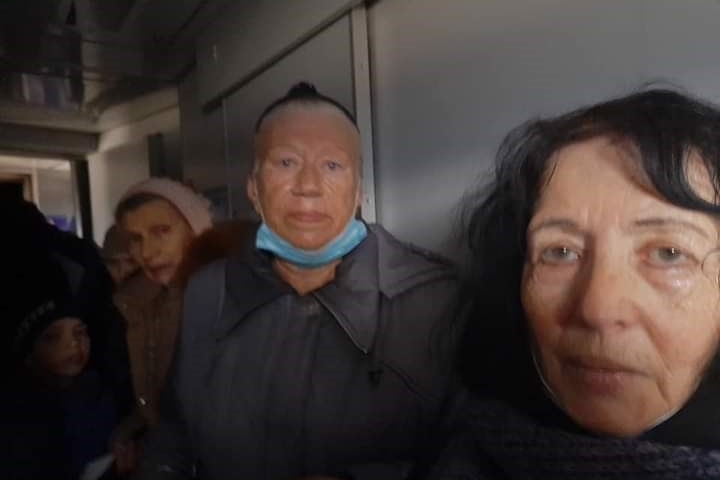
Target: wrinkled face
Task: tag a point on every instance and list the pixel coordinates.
(306, 182)
(620, 291)
(61, 350)
(159, 235)
(121, 267)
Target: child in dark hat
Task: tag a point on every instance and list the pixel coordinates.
(58, 412)
(48, 337)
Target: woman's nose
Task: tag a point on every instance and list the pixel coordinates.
(605, 292)
(308, 181)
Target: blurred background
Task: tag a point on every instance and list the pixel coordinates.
(98, 94)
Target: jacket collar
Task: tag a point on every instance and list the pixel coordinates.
(380, 265)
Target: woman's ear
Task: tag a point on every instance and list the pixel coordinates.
(252, 193)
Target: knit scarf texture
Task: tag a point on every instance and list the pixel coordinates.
(502, 442)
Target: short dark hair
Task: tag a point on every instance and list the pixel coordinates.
(303, 93)
(662, 127)
(134, 202)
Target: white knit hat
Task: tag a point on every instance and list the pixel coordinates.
(194, 207)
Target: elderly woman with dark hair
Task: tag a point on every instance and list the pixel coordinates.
(593, 305)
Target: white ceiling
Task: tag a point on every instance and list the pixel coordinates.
(63, 62)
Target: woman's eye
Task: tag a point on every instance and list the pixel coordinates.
(81, 333)
(49, 337)
(159, 231)
(285, 162)
(332, 165)
(668, 256)
(559, 255)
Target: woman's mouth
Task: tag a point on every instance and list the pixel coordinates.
(160, 272)
(307, 216)
(76, 362)
(599, 376)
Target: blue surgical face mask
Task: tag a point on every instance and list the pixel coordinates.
(354, 233)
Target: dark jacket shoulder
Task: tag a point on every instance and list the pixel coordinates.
(403, 265)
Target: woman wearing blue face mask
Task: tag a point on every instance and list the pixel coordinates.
(313, 344)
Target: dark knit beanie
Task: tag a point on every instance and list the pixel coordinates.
(37, 293)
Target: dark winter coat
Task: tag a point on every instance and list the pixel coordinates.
(351, 379)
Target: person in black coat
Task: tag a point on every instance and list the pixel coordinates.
(26, 233)
(29, 244)
(312, 351)
(58, 409)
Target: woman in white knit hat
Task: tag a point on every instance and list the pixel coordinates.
(162, 218)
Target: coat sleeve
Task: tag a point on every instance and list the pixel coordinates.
(460, 456)
(434, 450)
(378, 471)
(459, 461)
(447, 425)
(169, 453)
(118, 360)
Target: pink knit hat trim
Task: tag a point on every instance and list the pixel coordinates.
(195, 208)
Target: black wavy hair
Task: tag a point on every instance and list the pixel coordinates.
(661, 126)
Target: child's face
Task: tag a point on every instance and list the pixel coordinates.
(62, 349)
